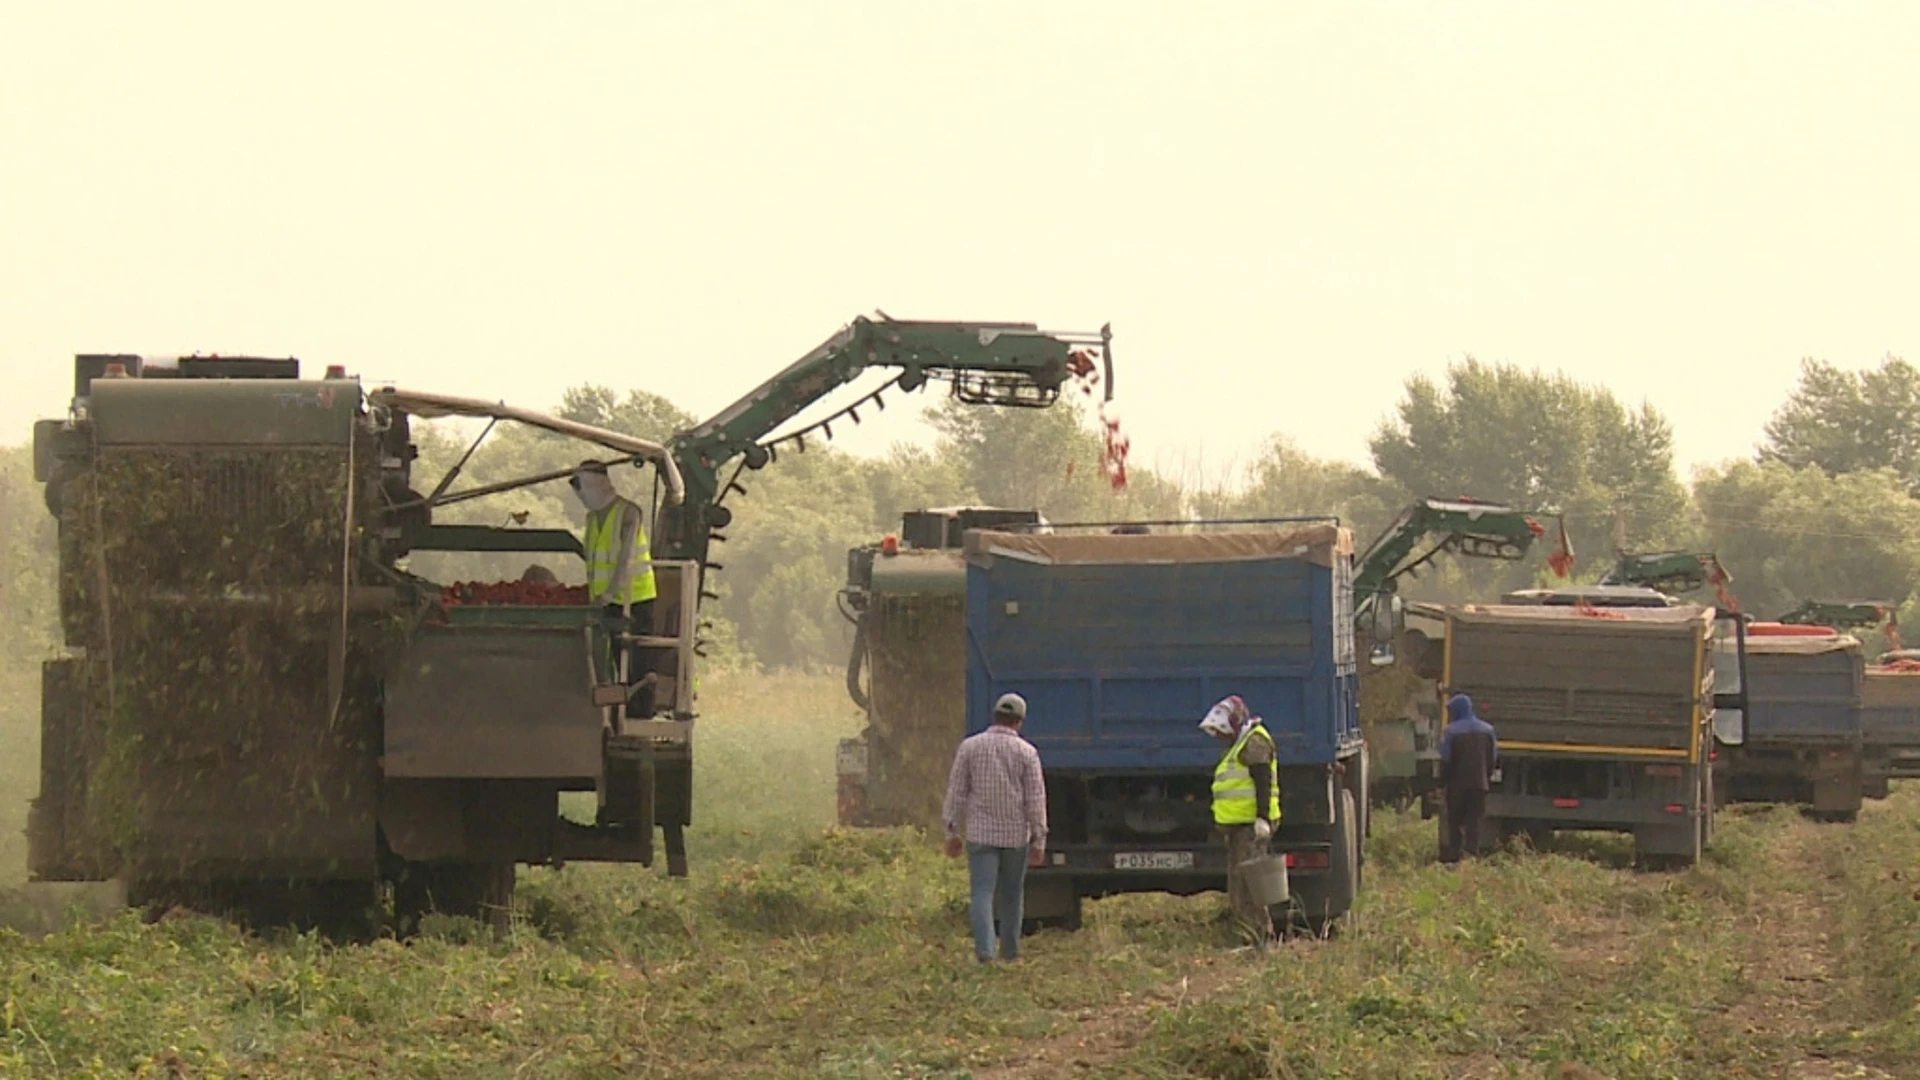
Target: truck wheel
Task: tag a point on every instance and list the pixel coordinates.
(1330, 910)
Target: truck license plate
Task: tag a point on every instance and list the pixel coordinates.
(1153, 860)
(850, 758)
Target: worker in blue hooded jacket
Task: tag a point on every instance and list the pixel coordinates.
(1469, 753)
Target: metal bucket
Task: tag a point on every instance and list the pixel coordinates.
(1266, 879)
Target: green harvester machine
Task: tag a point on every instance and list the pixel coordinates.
(262, 709)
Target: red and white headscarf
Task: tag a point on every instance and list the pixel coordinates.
(1228, 718)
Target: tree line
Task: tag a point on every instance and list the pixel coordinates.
(1828, 506)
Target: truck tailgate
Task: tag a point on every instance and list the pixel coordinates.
(1626, 680)
(1803, 689)
(1890, 708)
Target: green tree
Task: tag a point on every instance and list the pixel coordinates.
(1540, 442)
(28, 568)
(1843, 421)
(1792, 534)
(641, 413)
(1286, 481)
(28, 564)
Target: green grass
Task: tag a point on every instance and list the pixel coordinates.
(799, 950)
(19, 766)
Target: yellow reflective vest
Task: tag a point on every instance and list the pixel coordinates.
(602, 544)
(1233, 793)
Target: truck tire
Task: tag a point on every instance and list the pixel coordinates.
(1327, 907)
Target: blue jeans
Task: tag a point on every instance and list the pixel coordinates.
(988, 869)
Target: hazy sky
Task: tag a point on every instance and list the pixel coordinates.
(1283, 209)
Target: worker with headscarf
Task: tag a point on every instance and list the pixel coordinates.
(1469, 753)
(619, 568)
(1246, 803)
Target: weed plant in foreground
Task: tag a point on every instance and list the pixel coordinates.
(800, 950)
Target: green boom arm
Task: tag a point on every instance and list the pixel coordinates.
(1669, 572)
(1480, 530)
(1009, 364)
(1849, 615)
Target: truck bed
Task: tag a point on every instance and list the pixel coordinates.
(1563, 679)
(1121, 644)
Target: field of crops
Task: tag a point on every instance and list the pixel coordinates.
(796, 950)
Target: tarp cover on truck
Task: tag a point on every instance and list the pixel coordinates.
(1802, 645)
(1318, 544)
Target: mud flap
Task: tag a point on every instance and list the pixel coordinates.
(1049, 901)
(1668, 845)
(1837, 784)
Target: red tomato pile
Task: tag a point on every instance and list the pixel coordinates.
(513, 594)
(1898, 667)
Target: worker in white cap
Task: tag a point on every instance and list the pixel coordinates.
(1246, 803)
(619, 575)
(997, 790)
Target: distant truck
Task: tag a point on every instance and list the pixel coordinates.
(1890, 721)
(1605, 702)
(1120, 643)
(1804, 740)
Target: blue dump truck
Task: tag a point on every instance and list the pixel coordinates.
(1120, 644)
(1804, 740)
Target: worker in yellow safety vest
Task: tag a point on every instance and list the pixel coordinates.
(1246, 803)
(619, 571)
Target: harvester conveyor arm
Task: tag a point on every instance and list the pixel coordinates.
(1478, 529)
(1014, 364)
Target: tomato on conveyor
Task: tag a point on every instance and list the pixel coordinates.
(513, 594)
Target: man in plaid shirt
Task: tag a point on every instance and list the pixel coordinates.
(997, 787)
